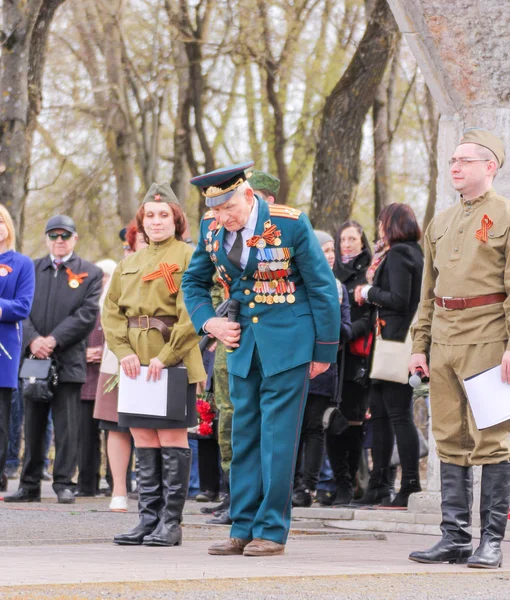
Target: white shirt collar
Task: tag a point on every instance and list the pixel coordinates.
(63, 259)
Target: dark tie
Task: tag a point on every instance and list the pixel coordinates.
(234, 256)
(57, 263)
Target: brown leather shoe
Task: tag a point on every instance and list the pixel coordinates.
(229, 547)
(260, 547)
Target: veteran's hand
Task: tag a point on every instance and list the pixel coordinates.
(419, 361)
(154, 370)
(227, 332)
(40, 347)
(131, 366)
(505, 367)
(317, 368)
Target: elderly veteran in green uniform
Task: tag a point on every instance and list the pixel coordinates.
(146, 323)
(269, 259)
(463, 328)
(266, 186)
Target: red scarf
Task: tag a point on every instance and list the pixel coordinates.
(380, 251)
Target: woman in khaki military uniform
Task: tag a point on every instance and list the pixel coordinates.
(146, 323)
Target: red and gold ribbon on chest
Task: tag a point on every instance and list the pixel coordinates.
(165, 271)
(270, 236)
(75, 279)
(481, 234)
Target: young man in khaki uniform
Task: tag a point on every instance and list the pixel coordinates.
(463, 329)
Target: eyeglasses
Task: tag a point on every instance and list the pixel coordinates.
(463, 162)
(54, 236)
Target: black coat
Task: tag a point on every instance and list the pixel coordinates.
(396, 290)
(68, 314)
(351, 275)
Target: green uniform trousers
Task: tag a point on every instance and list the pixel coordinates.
(459, 442)
(268, 414)
(224, 405)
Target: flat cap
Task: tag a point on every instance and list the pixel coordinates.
(160, 192)
(220, 185)
(259, 180)
(488, 140)
(60, 222)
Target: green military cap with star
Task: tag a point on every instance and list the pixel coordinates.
(160, 192)
(259, 180)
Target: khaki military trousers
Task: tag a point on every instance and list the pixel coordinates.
(458, 440)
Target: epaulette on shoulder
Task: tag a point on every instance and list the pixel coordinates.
(286, 212)
(208, 215)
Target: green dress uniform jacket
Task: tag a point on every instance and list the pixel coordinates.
(129, 296)
(303, 328)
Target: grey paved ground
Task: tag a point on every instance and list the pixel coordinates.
(54, 551)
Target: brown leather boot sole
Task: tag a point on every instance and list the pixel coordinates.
(260, 547)
(229, 547)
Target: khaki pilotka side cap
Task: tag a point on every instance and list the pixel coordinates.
(160, 192)
(259, 180)
(488, 140)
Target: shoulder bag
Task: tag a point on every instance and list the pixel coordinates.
(390, 360)
(38, 378)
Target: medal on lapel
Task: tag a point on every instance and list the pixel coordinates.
(5, 270)
(74, 280)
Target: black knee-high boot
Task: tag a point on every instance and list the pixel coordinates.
(456, 501)
(176, 467)
(494, 501)
(148, 475)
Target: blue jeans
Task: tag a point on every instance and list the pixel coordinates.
(15, 431)
(194, 480)
(326, 479)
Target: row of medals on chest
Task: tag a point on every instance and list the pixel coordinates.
(272, 285)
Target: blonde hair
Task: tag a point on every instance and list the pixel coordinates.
(11, 235)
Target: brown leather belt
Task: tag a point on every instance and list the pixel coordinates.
(449, 303)
(145, 322)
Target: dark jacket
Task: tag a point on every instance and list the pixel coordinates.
(351, 275)
(396, 290)
(326, 383)
(68, 314)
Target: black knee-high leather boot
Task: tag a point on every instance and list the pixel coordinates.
(148, 476)
(456, 502)
(494, 502)
(176, 467)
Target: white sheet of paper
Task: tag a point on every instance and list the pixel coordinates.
(141, 397)
(489, 398)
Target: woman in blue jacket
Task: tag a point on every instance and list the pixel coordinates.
(17, 282)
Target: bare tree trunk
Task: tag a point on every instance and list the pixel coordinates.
(336, 169)
(23, 42)
(433, 135)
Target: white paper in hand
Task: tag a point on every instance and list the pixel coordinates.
(488, 397)
(141, 397)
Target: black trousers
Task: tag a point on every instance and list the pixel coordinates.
(391, 406)
(89, 449)
(209, 465)
(5, 418)
(64, 408)
(311, 443)
(344, 451)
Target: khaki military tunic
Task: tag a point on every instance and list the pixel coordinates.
(129, 296)
(462, 343)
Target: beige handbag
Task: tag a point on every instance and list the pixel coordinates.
(390, 360)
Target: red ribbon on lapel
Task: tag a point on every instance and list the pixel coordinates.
(269, 235)
(6, 267)
(165, 270)
(481, 234)
(79, 277)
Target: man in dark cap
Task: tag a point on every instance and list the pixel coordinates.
(64, 312)
(271, 265)
(462, 330)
